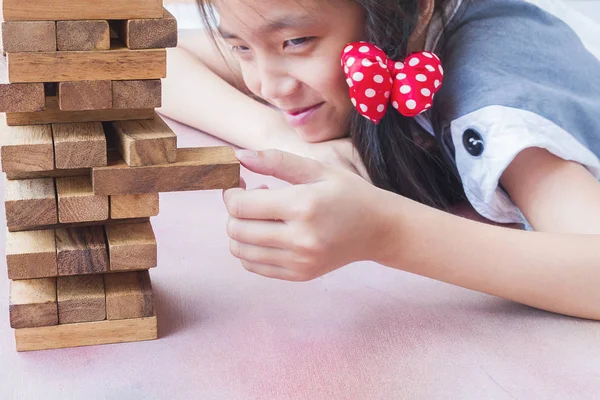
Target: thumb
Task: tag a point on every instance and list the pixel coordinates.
(281, 165)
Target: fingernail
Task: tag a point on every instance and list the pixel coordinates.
(246, 154)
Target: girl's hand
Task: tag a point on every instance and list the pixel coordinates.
(328, 218)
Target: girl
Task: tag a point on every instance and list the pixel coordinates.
(509, 91)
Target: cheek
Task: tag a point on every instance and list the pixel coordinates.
(250, 77)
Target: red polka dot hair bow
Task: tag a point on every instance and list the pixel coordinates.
(376, 81)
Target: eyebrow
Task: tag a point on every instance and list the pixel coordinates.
(279, 24)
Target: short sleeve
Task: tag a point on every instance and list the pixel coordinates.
(487, 140)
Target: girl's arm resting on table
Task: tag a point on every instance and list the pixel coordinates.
(557, 270)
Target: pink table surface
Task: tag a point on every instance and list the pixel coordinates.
(363, 332)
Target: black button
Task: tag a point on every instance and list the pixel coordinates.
(473, 142)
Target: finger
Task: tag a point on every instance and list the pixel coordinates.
(259, 254)
(243, 184)
(258, 204)
(270, 271)
(281, 165)
(258, 232)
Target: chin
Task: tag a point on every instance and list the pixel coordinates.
(312, 135)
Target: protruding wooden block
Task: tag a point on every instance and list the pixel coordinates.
(118, 63)
(77, 201)
(86, 334)
(25, 36)
(134, 205)
(144, 142)
(30, 203)
(204, 168)
(56, 10)
(26, 148)
(19, 97)
(52, 114)
(33, 303)
(137, 94)
(128, 295)
(80, 145)
(81, 299)
(85, 95)
(31, 254)
(82, 35)
(81, 251)
(131, 246)
(150, 33)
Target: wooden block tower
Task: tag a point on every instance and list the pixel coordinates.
(85, 157)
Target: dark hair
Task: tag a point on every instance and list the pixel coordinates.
(393, 150)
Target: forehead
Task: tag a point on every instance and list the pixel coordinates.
(264, 16)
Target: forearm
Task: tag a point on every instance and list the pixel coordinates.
(554, 272)
(196, 96)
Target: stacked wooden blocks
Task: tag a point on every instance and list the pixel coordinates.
(85, 157)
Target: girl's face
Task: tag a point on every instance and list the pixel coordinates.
(289, 53)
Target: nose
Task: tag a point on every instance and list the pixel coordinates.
(276, 81)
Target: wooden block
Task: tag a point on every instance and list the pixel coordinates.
(77, 224)
(150, 33)
(86, 334)
(33, 303)
(82, 35)
(81, 299)
(137, 94)
(25, 36)
(77, 201)
(26, 148)
(144, 142)
(118, 63)
(19, 97)
(52, 114)
(134, 205)
(85, 95)
(31, 254)
(204, 168)
(81, 251)
(19, 10)
(53, 173)
(128, 295)
(79, 145)
(30, 203)
(131, 246)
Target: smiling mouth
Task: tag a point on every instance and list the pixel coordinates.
(298, 111)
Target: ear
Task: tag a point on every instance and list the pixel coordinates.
(416, 42)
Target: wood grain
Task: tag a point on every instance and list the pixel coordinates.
(77, 201)
(31, 254)
(20, 10)
(78, 224)
(204, 168)
(144, 142)
(52, 114)
(33, 303)
(128, 295)
(26, 148)
(85, 95)
(137, 94)
(81, 251)
(19, 97)
(79, 145)
(86, 334)
(134, 205)
(118, 63)
(83, 35)
(53, 173)
(131, 246)
(29, 203)
(152, 33)
(81, 299)
(26, 36)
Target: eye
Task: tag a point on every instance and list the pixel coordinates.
(298, 41)
(239, 48)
